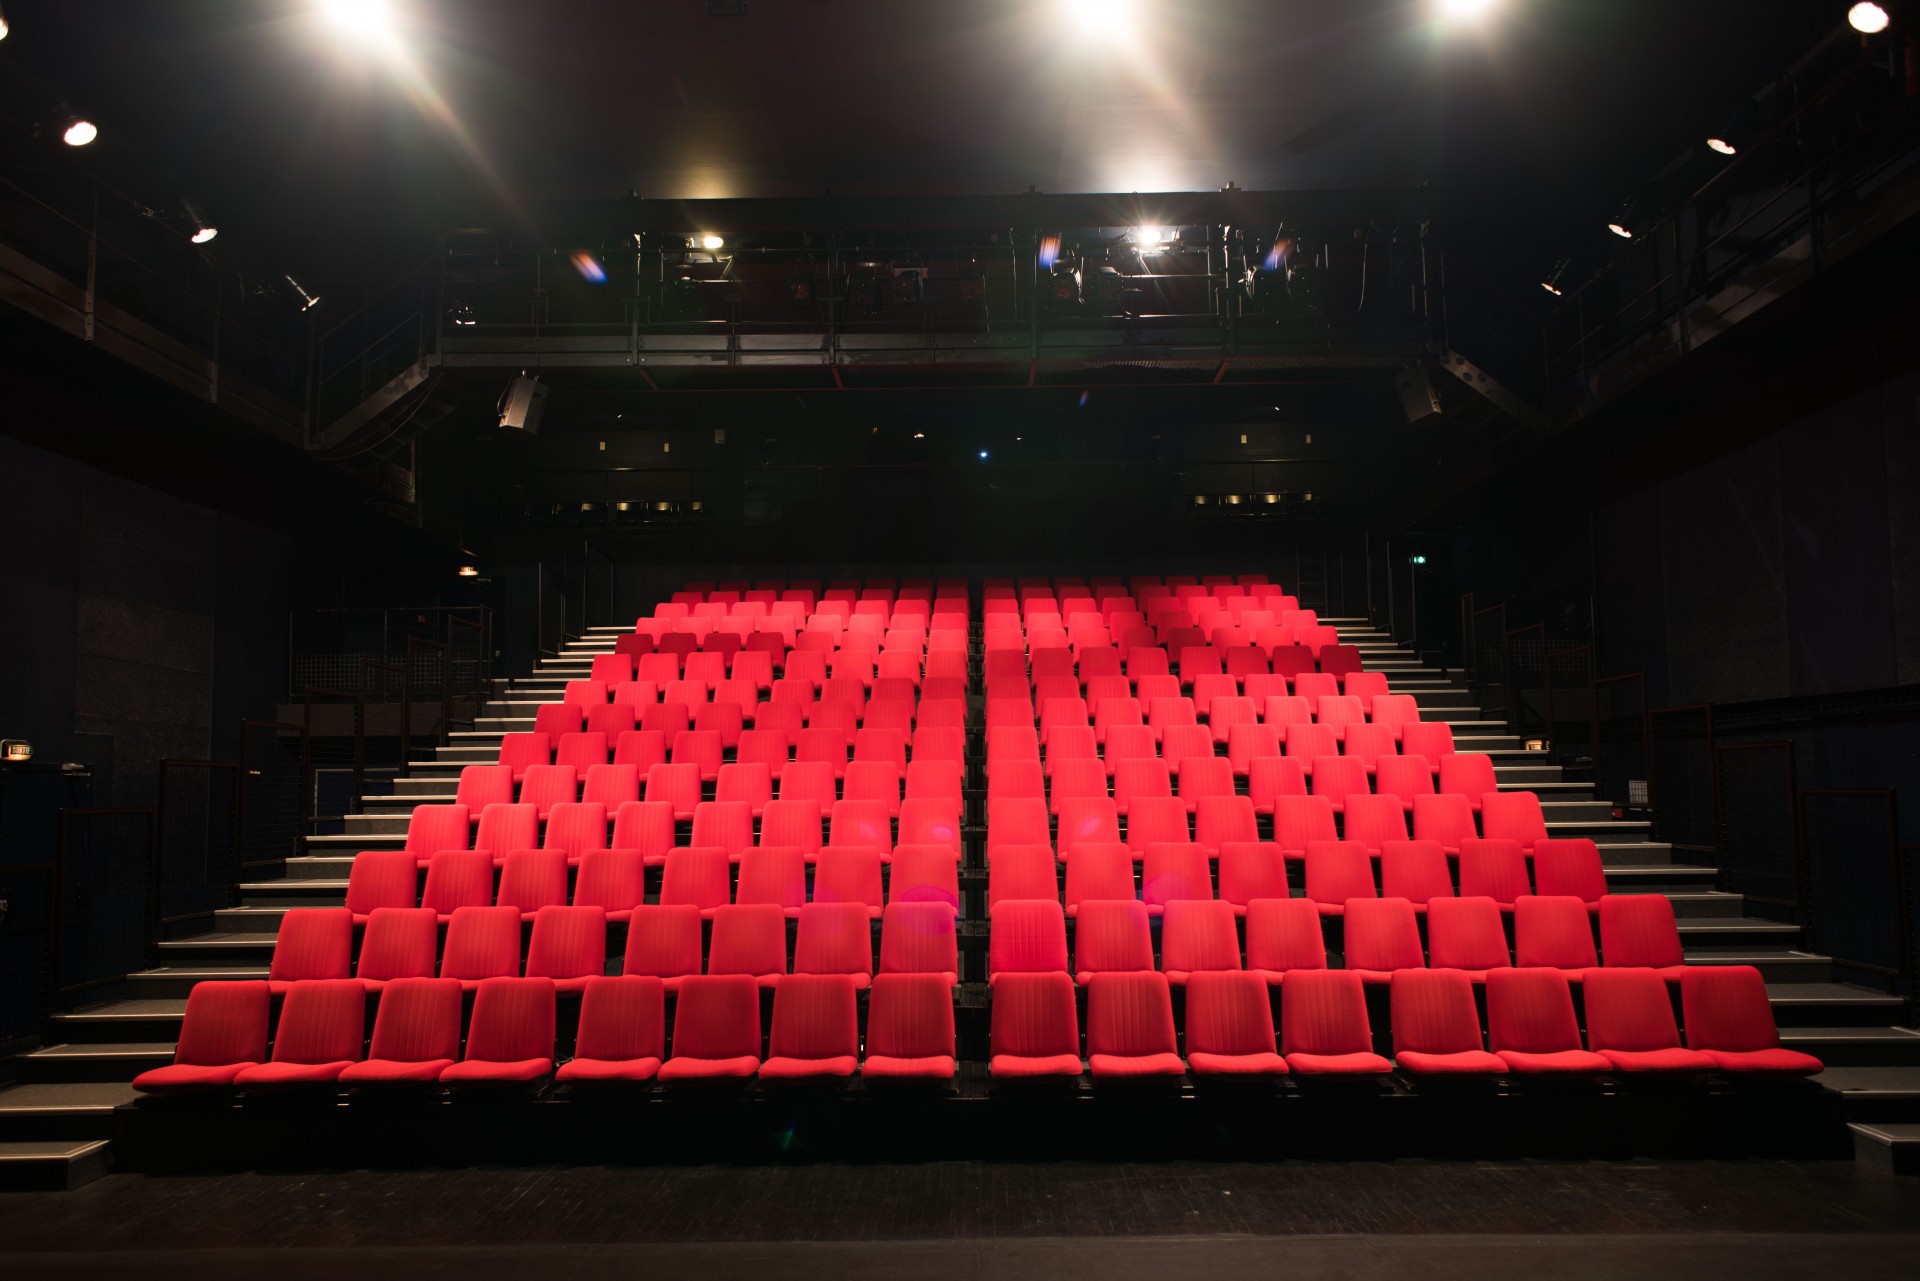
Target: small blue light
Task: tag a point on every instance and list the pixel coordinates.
(983, 455)
(1083, 398)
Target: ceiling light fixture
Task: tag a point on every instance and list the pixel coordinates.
(468, 571)
(1722, 145)
(1868, 19)
(200, 230)
(307, 301)
(1552, 283)
(1622, 222)
(79, 132)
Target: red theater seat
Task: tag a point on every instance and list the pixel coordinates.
(1198, 937)
(1035, 1029)
(749, 940)
(1338, 871)
(1026, 936)
(482, 943)
(919, 938)
(615, 881)
(664, 943)
(1730, 1021)
(816, 1029)
(416, 1034)
(1028, 872)
(1571, 867)
(1130, 1032)
(569, 946)
(834, 938)
(510, 1038)
(1531, 1025)
(1639, 931)
(1555, 932)
(322, 1030)
(531, 880)
(1436, 1027)
(1283, 935)
(1323, 1025)
(1630, 1024)
(1416, 871)
(910, 1030)
(716, 1030)
(1382, 936)
(224, 1032)
(381, 879)
(399, 943)
(313, 943)
(1229, 1022)
(1111, 935)
(622, 1032)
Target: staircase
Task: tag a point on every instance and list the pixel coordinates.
(56, 1122)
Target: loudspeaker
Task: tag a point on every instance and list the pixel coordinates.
(1418, 400)
(522, 403)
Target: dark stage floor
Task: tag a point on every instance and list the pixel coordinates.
(1757, 1219)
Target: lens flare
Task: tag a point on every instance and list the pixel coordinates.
(589, 267)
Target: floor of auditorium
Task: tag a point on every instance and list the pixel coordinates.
(1755, 1219)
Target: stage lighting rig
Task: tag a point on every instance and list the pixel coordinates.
(1552, 283)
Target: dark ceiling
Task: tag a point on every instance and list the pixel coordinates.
(1524, 124)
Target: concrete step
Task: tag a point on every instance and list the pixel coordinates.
(1892, 1146)
(1856, 1046)
(61, 1110)
(1829, 1004)
(1776, 964)
(176, 979)
(1734, 931)
(132, 1020)
(94, 1061)
(1704, 904)
(53, 1165)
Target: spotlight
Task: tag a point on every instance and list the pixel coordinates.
(1737, 129)
(1552, 283)
(1621, 224)
(589, 267)
(522, 403)
(983, 455)
(1113, 18)
(3, 24)
(1462, 10)
(1867, 19)
(919, 435)
(1049, 252)
(79, 132)
(200, 229)
(307, 301)
(369, 18)
(468, 571)
(1149, 240)
(711, 241)
(1722, 145)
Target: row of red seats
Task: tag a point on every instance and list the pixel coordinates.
(575, 828)
(1399, 778)
(706, 749)
(1325, 1030)
(568, 943)
(781, 636)
(1335, 873)
(1428, 741)
(614, 880)
(319, 1039)
(750, 781)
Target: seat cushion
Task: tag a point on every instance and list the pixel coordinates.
(1204, 1064)
(1356, 1064)
(188, 1076)
(1775, 1062)
(682, 1068)
(608, 1070)
(781, 1068)
(1014, 1067)
(1273, 978)
(394, 1072)
(1374, 976)
(1462, 1063)
(1672, 1059)
(482, 1072)
(571, 986)
(1559, 1062)
(1136, 1065)
(272, 1074)
(888, 1066)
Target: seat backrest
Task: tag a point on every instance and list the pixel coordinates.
(1130, 1014)
(645, 826)
(457, 879)
(480, 786)
(482, 943)
(748, 939)
(532, 879)
(1466, 934)
(226, 1022)
(573, 828)
(1271, 777)
(924, 874)
(928, 820)
(1284, 935)
(1434, 1013)
(1494, 868)
(792, 824)
(1553, 930)
(1338, 871)
(1174, 870)
(641, 749)
(1382, 935)
(1085, 819)
(1228, 1013)
(382, 879)
(663, 941)
(1530, 1012)
(568, 943)
(1023, 872)
(622, 1019)
(1027, 935)
(1629, 1010)
(399, 943)
(1639, 929)
(1414, 870)
(433, 828)
(833, 938)
(918, 938)
(1152, 820)
(1570, 866)
(611, 880)
(1112, 935)
(1725, 1008)
(1324, 1012)
(321, 1021)
(512, 1021)
(313, 943)
(1199, 935)
(1252, 870)
(1033, 1016)
(417, 1021)
(1513, 816)
(773, 875)
(727, 825)
(815, 1016)
(910, 1016)
(1218, 820)
(701, 877)
(849, 874)
(1444, 818)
